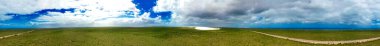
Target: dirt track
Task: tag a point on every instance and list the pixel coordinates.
(2, 37)
(320, 42)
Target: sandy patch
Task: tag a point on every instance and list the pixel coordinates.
(206, 28)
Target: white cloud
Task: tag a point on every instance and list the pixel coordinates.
(100, 12)
(92, 19)
(29, 6)
(225, 13)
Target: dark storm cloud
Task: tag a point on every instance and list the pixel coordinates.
(239, 8)
(219, 12)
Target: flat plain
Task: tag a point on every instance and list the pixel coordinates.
(177, 36)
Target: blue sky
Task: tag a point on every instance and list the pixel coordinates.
(213, 13)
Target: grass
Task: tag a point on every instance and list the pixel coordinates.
(9, 32)
(326, 35)
(163, 36)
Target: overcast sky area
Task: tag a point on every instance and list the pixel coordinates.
(211, 13)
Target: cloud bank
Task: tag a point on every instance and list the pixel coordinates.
(283, 13)
(214, 13)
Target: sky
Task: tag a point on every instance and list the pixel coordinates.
(320, 14)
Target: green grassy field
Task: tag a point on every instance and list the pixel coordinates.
(9, 32)
(165, 36)
(327, 35)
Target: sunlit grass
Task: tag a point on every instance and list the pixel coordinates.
(326, 35)
(163, 36)
(10, 32)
